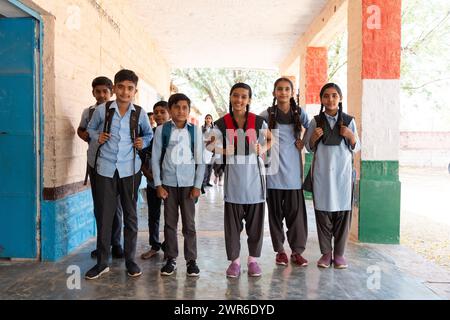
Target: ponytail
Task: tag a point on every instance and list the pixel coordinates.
(272, 114)
(297, 123)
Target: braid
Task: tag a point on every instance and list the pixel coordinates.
(272, 115)
(297, 123)
(340, 118)
(321, 116)
(230, 109)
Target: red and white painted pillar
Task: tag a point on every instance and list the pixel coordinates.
(374, 28)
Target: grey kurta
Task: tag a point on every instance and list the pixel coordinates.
(332, 172)
(244, 178)
(284, 172)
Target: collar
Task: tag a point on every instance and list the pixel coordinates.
(332, 117)
(185, 126)
(116, 106)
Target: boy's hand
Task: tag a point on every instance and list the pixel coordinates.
(84, 135)
(348, 134)
(318, 132)
(103, 137)
(195, 193)
(162, 193)
(138, 143)
(299, 144)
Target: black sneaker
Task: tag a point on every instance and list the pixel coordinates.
(94, 254)
(96, 272)
(117, 252)
(192, 269)
(133, 269)
(169, 268)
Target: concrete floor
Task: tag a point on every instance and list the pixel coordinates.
(375, 271)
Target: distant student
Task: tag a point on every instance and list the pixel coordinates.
(333, 138)
(178, 172)
(161, 115)
(102, 91)
(121, 128)
(285, 199)
(151, 117)
(241, 137)
(206, 130)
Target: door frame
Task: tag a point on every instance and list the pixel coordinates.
(38, 117)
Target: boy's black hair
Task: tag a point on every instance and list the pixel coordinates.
(162, 104)
(149, 113)
(243, 86)
(124, 75)
(339, 91)
(293, 105)
(102, 81)
(175, 98)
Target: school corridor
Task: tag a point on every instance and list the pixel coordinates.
(375, 271)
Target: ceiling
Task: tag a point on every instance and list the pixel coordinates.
(226, 33)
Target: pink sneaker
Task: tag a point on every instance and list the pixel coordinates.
(339, 262)
(281, 259)
(324, 261)
(234, 270)
(254, 270)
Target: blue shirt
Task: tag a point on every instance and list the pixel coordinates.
(93, 144)
(117, 152)
(178, 167)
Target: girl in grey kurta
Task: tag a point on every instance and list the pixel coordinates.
(244, 189)
(333, 138)
(285, 200)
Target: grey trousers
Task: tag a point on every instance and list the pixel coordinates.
(253, 215)
(107, 190)
(117, 222)
(333, 224)
(290, 206)
(179, 197)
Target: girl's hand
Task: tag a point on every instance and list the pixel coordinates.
(318, 132)
(229, 151)
(103, 137)
(138, 143)
(162, 193)
(299, 144)
(84, 135)
(348, 134)
(195, 193)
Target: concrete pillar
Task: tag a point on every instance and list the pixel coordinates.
(313, 75)
(374, 28)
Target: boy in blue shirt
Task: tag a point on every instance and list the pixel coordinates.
(101, 90)
(178, 171)
(121, 129)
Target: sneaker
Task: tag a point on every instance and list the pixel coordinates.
(254, 270)
(150, 253)
(94, 254)
(192, 269)
(281, 259)
(234, 270)
(324, 261)
(133, 269)
(298, 260)
(339, 262)
(117, 252)
(221, 182)
(96, 271)
(169, 268)
(209, 184)
(215, 180)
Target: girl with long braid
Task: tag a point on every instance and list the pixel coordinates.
(241, 137)
(285, 199)
(333, 138)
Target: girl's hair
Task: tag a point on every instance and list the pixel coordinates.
(212, 122)
(339, 91)
(243, 86)
(293, 105)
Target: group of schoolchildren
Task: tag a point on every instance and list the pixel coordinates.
(259, 157)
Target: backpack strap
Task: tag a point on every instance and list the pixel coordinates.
(109, 114)
(91, 113)
(134, 122)
(166, 133)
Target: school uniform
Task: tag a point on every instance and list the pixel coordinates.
(332, 187)
(92, 149)
(244, 195)
(117, 168)
(181, 169)
(153, 203)
(285, 198)
(209, 157)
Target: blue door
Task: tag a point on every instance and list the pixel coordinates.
(18, 174)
